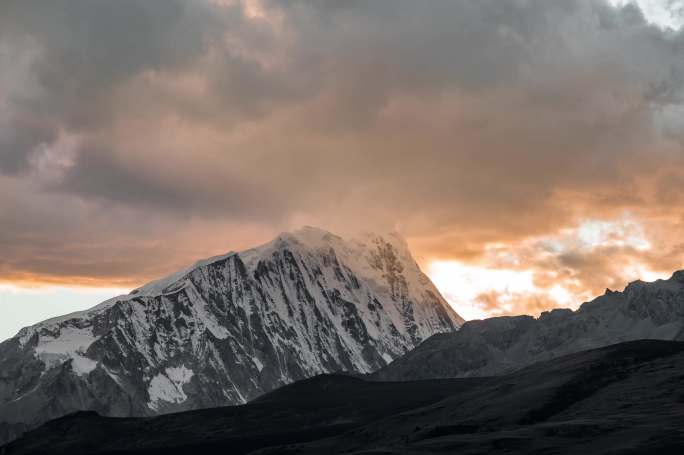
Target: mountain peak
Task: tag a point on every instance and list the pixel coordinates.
(315, 236)
(228, 328)
(678, 276)
(313, 233)
(310, 236)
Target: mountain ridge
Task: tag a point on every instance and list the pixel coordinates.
(643, 310)
(225, 330)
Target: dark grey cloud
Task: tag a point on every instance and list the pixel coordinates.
(78, 52)
(19, 140)
(101, 175)
(463, 122)
(86, 47)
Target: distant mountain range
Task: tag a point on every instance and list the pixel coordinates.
(225, 331)
(504, 344)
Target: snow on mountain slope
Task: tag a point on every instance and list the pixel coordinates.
(225, 330)
(500, 345)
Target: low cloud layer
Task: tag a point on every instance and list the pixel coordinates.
(139, 135)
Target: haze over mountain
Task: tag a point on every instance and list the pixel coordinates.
(226, 330)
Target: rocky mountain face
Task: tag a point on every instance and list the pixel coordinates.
(225, 331)
(500, 345)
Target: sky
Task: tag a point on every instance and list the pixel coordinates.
(530, 151)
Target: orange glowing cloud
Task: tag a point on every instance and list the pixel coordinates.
(531, 170)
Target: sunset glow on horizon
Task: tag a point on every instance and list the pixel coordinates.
(505, 280)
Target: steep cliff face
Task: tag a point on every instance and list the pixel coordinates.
(499, 345)
(226, 330)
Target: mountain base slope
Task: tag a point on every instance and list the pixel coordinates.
(622, 399)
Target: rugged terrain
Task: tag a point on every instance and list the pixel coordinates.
(621, 399)
(504, 344)
(225, 331)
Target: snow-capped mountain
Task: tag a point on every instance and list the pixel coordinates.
(500, 345)
(226, 330)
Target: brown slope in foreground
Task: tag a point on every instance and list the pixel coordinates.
(322, 406)
(621, 399)
(625, 398)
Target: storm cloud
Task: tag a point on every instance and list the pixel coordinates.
(148, 132)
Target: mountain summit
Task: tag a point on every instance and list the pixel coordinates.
(226, 330)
